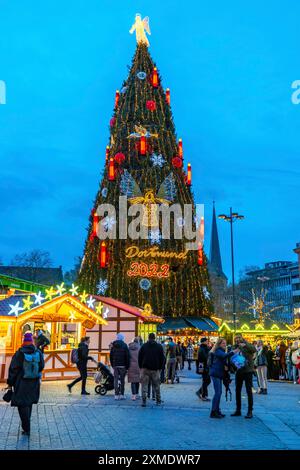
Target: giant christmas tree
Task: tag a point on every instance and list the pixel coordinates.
(144, 162)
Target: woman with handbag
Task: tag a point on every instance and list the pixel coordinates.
(24, 378)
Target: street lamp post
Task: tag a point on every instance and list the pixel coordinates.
(232, 217)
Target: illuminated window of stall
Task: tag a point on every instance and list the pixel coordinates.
(68, 335)
(145, 329)
(6, 336)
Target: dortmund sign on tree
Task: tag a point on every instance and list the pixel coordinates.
(145, 167)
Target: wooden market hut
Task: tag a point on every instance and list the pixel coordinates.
(65, 319)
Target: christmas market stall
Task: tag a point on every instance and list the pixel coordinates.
(269, 331)
(120, 318)
(64, 318)
(185, 329)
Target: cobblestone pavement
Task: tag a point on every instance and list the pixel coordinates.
(63, 421)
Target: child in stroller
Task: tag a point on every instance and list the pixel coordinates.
(104, 379)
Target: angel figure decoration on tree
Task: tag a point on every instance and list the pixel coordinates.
(141, 27)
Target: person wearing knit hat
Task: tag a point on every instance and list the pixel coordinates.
(24, 379)
(120, 362)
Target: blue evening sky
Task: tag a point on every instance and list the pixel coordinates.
(230, 66)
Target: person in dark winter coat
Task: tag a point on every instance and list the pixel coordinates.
(244, 374)
(41, 341)
(202, 359)
(83, 358)
(120, 362)
(151, 361)
(217, 362)
(134, 370)
(26, 391)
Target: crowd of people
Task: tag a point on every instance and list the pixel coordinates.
(148, 365)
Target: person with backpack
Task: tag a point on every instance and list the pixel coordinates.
(217, 361)
(120, 362)
(24, 379)
(171, 360)
(244, 374)
(81, 357)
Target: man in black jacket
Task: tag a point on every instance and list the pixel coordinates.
(202, 359)
(151, 361)
(120, 361)
(83, 358)
(41, 340)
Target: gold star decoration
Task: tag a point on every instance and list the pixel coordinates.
(50, 293)
(83, 297)
(61, 289)
(72, 315)
(27, 303)
(99, 308)
(74, 290)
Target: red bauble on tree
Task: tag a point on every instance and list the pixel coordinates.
(151, 105)
(119, 158)
(177, 162)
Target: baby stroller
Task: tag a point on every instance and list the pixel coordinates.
(104, 379)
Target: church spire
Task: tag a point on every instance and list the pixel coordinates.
(215, 254)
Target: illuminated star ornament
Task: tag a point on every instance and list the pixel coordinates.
(27, 303)
(83, 297)
(39, 298)
(105, 313)
(15, 309)
(61, 289)
(50, 293)
(72, 316)
(99, 308)
(74, 290)
(90, 302)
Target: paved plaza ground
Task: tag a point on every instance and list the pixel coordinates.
(63, 421)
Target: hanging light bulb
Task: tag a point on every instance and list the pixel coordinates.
(200, 254)
(168, 96)
(180, 150)
(107, 153)
(143, 145)
(189, 174)
(117, 97)
(96, 219)
(154, 78)
(111, 170)
(103, 255)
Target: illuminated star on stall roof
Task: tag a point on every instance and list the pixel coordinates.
(72, 315)
(15, 309)
(99, 308)
(83, 297)
(74, 290)
(27, 303)
(50, 293)
(105, 314)
(90, 302)
(61, 289)
(38, 298)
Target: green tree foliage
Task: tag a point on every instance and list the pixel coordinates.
(186, 291)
